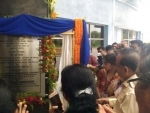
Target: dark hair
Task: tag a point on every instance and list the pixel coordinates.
(75, 78)
(103, 48)
(7, 98)
(144, 65)
(145, 50)
(144, 80)
(130, 58)
(109, 47)
(110, 58)
(139, 42)
(114, 43)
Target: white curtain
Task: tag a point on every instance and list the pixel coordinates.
(65, 59)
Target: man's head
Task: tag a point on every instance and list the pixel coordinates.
(142, 89)
(136, 44)
(142, 92)
(144, 64)
(126, 63)
(115, 45)
(101, 50)
(109, 48)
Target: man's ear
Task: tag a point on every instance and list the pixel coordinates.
(126, 70)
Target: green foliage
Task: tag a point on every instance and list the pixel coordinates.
(95, 34)
(95, 43)
(58, 42)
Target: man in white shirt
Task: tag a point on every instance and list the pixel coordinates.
(126, 64)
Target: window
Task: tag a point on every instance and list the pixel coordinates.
(128, 35)
(58, 43)
(57, 39)
(95, 37)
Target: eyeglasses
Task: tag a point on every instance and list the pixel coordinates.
(131, 84)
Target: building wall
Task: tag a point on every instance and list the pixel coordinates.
(115, 14)
(126, 16)
(96, 11)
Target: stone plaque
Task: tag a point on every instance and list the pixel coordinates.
(19, 63)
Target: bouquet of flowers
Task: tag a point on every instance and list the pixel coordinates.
(30, 99)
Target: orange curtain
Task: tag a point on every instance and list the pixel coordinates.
(77, 41)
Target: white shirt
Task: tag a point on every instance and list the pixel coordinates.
(126, 101)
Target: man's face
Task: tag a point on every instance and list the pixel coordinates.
(142, 98)
(134, 46)
(114, 46)
(102, 52)
(119, 68)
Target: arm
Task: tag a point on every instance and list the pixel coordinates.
(112, 101)
(128, 104)
(91, 66)
(97, 88)
(100, 82)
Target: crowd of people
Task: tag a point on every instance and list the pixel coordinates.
(122, 83)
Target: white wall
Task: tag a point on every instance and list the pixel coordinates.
(126, 16)
(144, 15)
(118, 13)
(118, 35)
(96, 11)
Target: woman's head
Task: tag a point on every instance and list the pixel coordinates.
(78, 87)
(109, 61)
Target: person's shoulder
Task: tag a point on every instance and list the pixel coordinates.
(101, 72)
(92, 56)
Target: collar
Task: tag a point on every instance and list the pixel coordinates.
(126, 84)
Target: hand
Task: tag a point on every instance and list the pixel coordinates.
(101, 109)
(21, 108)
(89, 65)
(52, 109)
(102, 101)
(104, 109)
(108, 109)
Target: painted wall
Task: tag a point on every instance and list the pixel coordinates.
(96, 11)
(118, 13)
(126, 16)
(111, 13)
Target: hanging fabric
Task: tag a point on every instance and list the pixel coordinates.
(34, 26)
